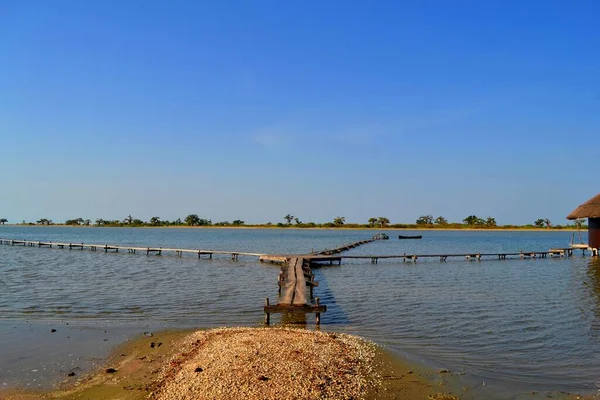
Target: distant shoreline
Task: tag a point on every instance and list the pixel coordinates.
(496, 229)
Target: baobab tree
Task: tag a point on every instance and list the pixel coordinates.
(155, 221)
(192, 220)
(425, 220)
(440, 221)
(382, 222)
(339, 221)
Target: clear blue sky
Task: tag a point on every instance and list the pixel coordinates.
(256, 109)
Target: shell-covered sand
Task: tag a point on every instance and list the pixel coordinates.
(248, 363)
(268, 363)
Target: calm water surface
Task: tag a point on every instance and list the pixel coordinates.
(508, 327)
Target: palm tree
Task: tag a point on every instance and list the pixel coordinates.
(3, 221)
(192, 220)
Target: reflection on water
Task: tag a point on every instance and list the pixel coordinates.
(517, 325)
(590, 288)
(294, 319)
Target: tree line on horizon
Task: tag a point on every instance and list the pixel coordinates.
(424, 221)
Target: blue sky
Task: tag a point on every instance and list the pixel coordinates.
(256, 109)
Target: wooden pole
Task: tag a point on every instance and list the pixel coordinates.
(267, 315)
(318, 315)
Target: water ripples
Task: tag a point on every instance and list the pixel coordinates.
(530, 324)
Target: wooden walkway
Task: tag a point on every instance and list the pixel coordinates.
(130, 249)
(342, 248)
(296, 274)
(293, 280)
(326, 256)
(559, 252)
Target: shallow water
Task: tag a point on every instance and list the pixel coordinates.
(511, 326)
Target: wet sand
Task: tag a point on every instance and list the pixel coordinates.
(256, 363)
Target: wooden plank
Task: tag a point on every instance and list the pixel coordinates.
(307, 308)
(300, 290)
(308, 283)
(287, 293)
(306, 271)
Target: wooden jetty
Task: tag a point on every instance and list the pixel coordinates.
(293, 280)
(296, 274)
(346, 247)
(325, 256)
(130, 249)
(559, 252)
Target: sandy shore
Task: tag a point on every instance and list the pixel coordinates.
(249, 363)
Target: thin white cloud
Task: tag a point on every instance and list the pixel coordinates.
(273, 140)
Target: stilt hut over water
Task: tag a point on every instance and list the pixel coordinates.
(591, 210)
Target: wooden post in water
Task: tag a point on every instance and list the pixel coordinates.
(318, 315)
(267, 315)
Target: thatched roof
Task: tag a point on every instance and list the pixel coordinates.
(589, 209)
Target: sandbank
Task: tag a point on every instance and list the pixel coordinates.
(250, 363)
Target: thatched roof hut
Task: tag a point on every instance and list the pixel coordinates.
(589, 209)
